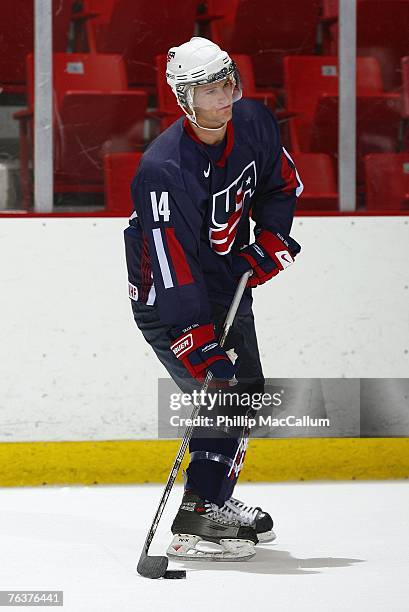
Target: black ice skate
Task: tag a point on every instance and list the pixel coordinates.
(199, 522)
(248, 515)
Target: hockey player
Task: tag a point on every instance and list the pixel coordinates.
(187, 245)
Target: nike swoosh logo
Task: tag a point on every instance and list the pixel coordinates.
(208, 172)
(284, 258)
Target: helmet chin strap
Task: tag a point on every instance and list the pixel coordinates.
(209, 129)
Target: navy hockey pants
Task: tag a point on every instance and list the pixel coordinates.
(215, 462)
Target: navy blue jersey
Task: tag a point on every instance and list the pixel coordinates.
(192, 209)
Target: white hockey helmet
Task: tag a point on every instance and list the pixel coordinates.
(199, 62)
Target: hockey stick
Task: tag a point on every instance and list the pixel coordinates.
(155, 566)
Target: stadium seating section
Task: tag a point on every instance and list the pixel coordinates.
(382, 33)
(139, 30)
(111, 96)
(17, 39)
(94, 114)
(266, 31)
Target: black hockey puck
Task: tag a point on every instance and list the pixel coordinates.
(175, 574)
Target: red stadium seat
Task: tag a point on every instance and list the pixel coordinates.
(266, 32)
(138, 31)
(102, 9)
(167, 110)
(214, 11)
(382, 32)
(387, 181)
(88, 17)
(245, 67)
(17, 39)
(307, 78)
(405, 83)
(378, 126)
(94, 114)
(119, 170)
(317, 172)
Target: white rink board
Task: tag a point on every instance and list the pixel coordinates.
(75, 367)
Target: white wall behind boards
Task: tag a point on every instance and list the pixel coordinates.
(73, 365)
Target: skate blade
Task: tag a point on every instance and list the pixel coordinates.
(186, 547)
(267, 536)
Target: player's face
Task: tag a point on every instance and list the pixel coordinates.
(213, 103)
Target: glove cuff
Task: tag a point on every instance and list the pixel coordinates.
(192, 338)
(276, 249)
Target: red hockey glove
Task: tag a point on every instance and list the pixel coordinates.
(199, 351)
(267, 256)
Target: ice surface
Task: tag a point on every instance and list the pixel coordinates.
(340, 546)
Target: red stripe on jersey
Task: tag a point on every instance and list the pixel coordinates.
(188, 127)
(288, 174)
(227, 233)
(146, 270)
(223, 232)
(178, 257)
(223, 248)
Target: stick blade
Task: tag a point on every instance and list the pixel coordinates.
(152, 567)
